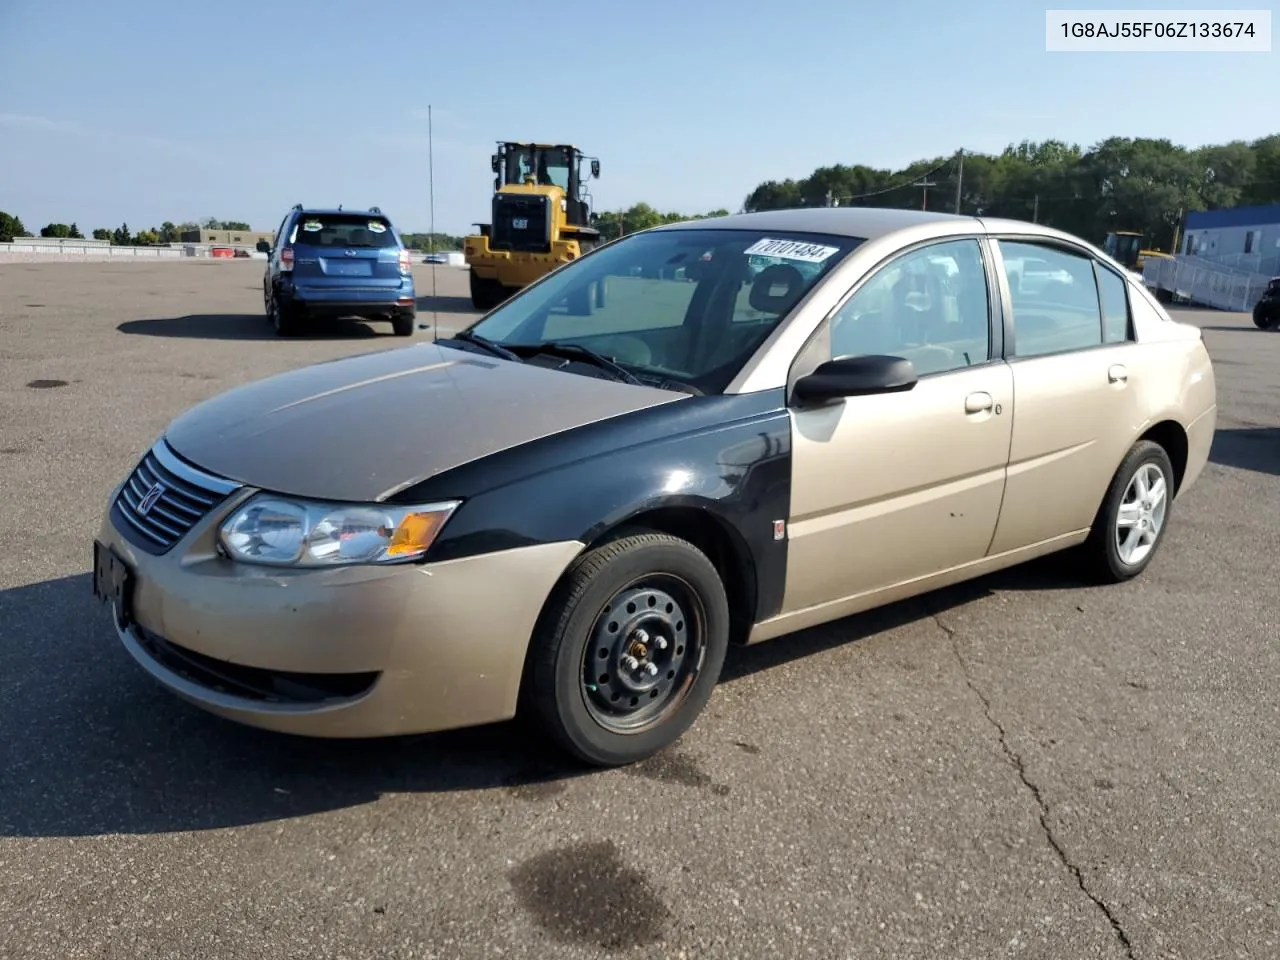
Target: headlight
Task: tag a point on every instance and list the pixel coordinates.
(282, 531)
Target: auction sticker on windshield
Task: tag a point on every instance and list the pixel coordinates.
(791, 250)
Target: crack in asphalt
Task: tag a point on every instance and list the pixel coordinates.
(1015, 761)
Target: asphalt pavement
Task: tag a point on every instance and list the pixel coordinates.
(1017, 767)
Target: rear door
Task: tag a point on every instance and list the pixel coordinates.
(1077, 388)
(345, 250)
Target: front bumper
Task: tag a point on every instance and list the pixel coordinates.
(405, 649)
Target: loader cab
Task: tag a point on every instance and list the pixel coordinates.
(546, 165)
(1124, 246)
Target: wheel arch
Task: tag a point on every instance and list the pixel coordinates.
(1172, 436)
(700, 524)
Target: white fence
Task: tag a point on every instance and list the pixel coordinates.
(98, 250)
(1205, 282)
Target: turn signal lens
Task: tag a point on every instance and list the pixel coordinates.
(415, 533)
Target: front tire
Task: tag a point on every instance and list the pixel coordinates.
(629, 649)
(1265, 319)
(1131, 523)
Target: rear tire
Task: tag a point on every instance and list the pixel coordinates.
(285, 318)
(648, 596)
(1134, 517)
(403, 324)
(1265, 319)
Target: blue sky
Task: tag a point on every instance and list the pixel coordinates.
(152, 110)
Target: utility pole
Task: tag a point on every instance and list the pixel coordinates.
(959, 181)
(924, 197)
(431, 189)
(1035, 212)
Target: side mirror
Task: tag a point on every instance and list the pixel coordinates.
(595, 169)
(493, 162)
(855, 377)
(264, 247)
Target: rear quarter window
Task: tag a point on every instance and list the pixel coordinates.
(343, 230)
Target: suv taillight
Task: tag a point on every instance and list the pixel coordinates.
(406, 262)
(286, 258)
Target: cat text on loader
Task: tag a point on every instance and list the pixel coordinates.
(541, 219)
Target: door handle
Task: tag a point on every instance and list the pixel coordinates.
(977, 402)
(1118, 374)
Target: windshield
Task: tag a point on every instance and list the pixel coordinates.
(547, 166)
(685, 305)
(342, 230)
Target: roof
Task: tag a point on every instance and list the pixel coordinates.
(1264, 215)
(864, 222)
(355, 211)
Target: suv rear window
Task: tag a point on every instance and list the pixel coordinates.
(342, 230)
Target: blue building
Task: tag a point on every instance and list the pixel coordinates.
(1244, 235)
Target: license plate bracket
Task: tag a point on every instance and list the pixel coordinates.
(113, 582)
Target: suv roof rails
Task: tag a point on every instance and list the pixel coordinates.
(375, 210)
(297, 206)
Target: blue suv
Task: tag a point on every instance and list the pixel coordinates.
(338, 263)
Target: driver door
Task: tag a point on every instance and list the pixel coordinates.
(893, 488)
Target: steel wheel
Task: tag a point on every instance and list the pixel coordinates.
(1140, 519)
(644, 653)
(629, 647)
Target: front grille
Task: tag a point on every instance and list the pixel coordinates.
(165, 497)
(521, 223)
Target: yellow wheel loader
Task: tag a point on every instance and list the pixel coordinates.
(1129, 248)
(541, 219)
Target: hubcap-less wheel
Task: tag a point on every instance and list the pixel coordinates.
(644, 653)
(1141, 516)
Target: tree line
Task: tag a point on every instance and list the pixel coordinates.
(1119, 183)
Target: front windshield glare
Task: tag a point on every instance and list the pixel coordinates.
(687, 305)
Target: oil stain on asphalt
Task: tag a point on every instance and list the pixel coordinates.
(678, 768)
(586, 894)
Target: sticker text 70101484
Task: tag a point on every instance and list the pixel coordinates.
(791, 250)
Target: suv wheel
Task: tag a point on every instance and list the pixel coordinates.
(286, 319)
(403, 324)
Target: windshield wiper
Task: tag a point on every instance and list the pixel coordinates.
(466, 336)
(577, 351)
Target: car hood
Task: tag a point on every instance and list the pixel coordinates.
(362, 428)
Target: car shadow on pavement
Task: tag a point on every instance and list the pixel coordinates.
(248, 326)
(429, 304)
(91, 745)
(1248, 448)
(1054, 572)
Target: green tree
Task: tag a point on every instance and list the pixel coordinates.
(168, 232)
(75, 233)
(121, 236)
(102, 233)
(11, 227)
(147, 238)
(57, 230)
(1120, 183)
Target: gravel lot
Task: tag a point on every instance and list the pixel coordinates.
(1014, 768)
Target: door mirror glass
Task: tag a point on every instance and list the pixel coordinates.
(264, 246)
(855, 377)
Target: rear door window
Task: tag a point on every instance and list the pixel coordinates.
(343, 230)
